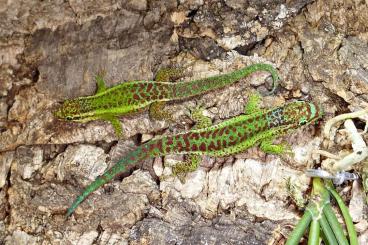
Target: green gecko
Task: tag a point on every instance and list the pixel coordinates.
(256, 127)
(134, 96)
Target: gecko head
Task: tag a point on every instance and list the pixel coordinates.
(300, 113)
(72, 110)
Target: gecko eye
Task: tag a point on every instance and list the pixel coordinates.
(303, 122)
(69, 118)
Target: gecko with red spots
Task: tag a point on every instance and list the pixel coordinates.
(256, 127)
(134, 96)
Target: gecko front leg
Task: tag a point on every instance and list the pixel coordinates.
(253, 104)
(201, 121)
(182, 168)
(191, 164)
(101, 87)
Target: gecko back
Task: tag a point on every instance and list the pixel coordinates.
(133, 96)
(230, 137)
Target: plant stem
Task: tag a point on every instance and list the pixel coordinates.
(327, 231)
(335, 225)
(313, 238)
(345, 213)
(299, 229)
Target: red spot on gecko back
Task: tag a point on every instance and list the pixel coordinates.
(211, 146)
(149, 87)
(193, 135)
(136, 96)
(221, 132)
(214, 133)
(202, 147)
(186, 141)
(179, 144)
(159, 145)
(169, 141)
(244, 137)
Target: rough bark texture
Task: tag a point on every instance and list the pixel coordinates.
(51, 50)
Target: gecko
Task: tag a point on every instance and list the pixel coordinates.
(235, 135)
(135, 96)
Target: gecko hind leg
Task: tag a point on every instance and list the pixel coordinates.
(101, 85)
(253, 104)
(201, 121)
(157, 111)
(191, 164)
(169, 74)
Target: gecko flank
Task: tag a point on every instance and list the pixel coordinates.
(133, 96)
(235, 135)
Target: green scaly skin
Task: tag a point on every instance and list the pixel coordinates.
(235, 135)
(130, 97)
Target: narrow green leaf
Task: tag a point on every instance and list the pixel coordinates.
(345, 213)
(327, 231)
(299, 229)
(335, 225)
(313, 238)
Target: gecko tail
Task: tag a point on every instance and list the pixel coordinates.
(200, 86)
(132, 158)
